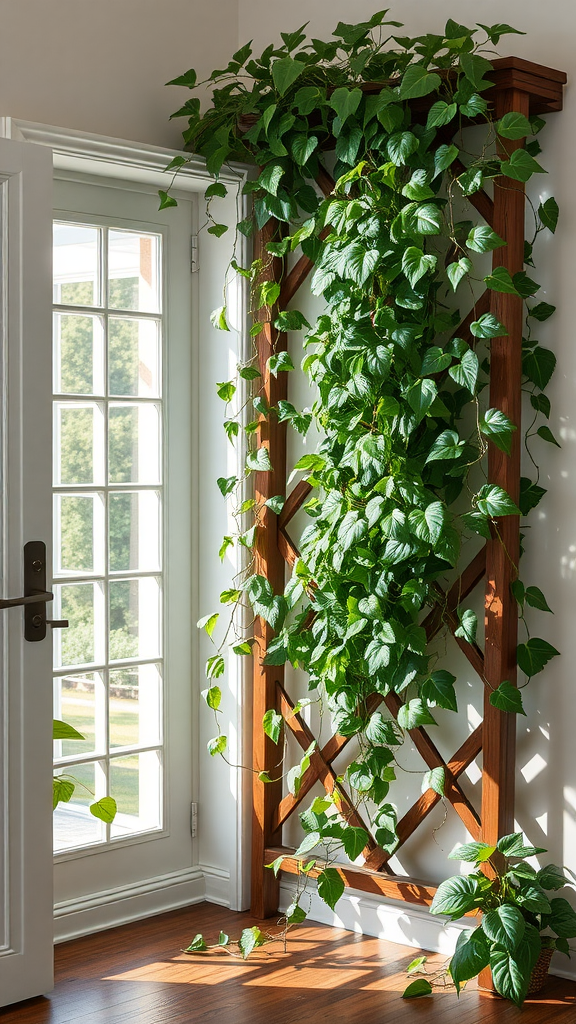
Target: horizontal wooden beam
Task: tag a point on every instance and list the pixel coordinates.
(395, 887)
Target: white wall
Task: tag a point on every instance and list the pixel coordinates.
(100, 65)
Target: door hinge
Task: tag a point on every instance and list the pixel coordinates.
(194, 254)
(194, 819)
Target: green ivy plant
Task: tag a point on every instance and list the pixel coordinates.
(399, 476)
(519, 918)
(64, 785)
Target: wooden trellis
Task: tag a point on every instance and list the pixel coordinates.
(530, 89)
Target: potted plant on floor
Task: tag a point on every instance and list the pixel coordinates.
(521, 924)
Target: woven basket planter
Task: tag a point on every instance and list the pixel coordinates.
(540, 972)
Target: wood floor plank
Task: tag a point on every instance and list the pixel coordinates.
(137, 974)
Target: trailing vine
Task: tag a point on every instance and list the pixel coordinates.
(399, 476)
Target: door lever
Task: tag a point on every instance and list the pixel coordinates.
(36, 596)
(57, 623)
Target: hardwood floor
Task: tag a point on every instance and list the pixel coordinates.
(137, 975)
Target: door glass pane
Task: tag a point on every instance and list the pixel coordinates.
(135, 785)
(73, 823)
(134, 618)
(79, 354)
(134, 443)
(79, 527)
(134, 706)
(83, 605)
(133, 278)
(133, 363)
(78, 701)
(76, 264)
(108, 466)
(134, 531)
(80, 443)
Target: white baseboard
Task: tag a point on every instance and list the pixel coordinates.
(113, 907)
(405, 924)
(217, 885)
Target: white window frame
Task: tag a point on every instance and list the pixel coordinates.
(98, 158)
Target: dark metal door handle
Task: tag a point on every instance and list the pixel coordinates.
(57, 623)
(33, 598)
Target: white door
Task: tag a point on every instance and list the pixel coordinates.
(123, 350)
(26, 925)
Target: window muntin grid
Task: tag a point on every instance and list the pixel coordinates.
(108, 496)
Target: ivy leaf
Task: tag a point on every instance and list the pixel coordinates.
(488, 326)
(416, 264)
(217, 745)
(475, 67)
(535, 598)
(64, 731)
(330, 886)
(493, 501)
(420, 987)
(291, 320)
(104, 809)
(188, 79)
(345, 102)
(514, 126)
(456, 271)
(218, 230)
(498, 428)
(62, 791)
(539, 365)
(468, 625)
(500, 281)
(435, 360)
(521, 166)
(511, 978)
(455, 896)
(208, 623)
(495, 31)
(542, 311)
(421, 396)
(302, 147)
(443, 158)
(218, 319)
(352, 529)
(401, 145)
(272, 724)
(472, 955)
(213, 697)
(465, 373)
(446, 446)
(483, 239)
(215, 189)
(423, 218)
(226, 484)
(439, 689)
(534, 655)
(285, 72)
(546, 434)
(360, 263)
(278, 362)
(441, 113)
(165, 200)
(504, 926)
(259, 460)
(563, 918)
(276, 503)
(413, 714)
(354, 840)
(507, 698)
(417, 81)
(548, 214)
(551, 877)
(472, 853)
(250, 939)
(434, 779)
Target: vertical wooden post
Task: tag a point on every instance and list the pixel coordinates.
(503, 550)
(269, 563)
(502, 553)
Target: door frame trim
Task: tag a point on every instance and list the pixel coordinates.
(106, 157)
